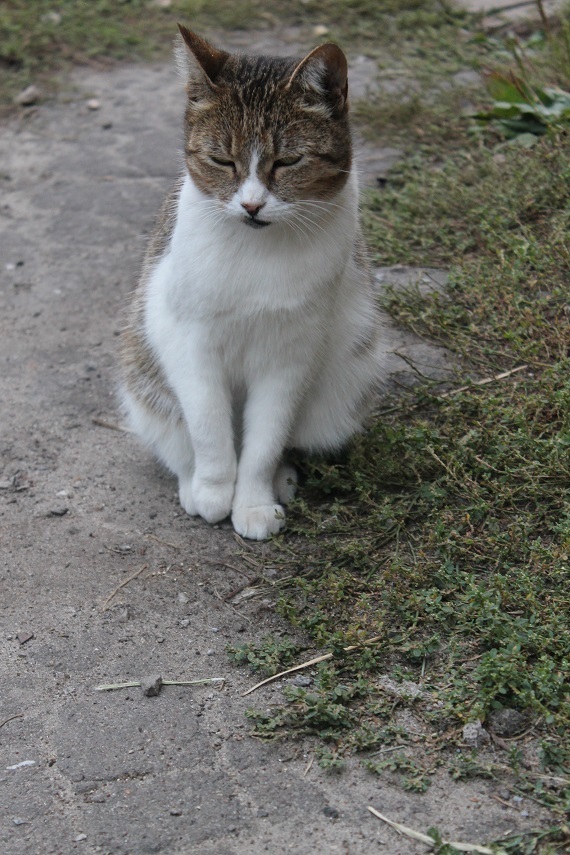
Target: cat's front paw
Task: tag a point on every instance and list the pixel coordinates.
(259, 522)
(213, 502)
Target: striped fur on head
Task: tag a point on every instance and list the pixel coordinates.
(291, 115)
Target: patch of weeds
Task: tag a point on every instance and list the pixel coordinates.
(413, 777)
(547, 841)
(268, 657)
(444, 530)
(524, 112)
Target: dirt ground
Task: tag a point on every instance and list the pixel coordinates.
(83, 507)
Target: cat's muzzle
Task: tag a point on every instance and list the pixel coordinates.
(255, 223)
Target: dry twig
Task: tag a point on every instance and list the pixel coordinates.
(111, 686)
(12, 717)
(324, 658)
(156, 539)
(110, 425)
(122, 585)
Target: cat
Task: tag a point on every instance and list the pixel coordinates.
(254, 327)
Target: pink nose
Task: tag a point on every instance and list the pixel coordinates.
(252, 208)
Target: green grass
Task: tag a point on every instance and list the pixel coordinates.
(445, 529)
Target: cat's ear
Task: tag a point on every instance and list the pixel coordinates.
(199, 61)
(323, 74)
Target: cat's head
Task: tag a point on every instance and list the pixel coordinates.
(267, 139)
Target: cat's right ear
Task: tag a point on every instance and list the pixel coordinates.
(199, 62)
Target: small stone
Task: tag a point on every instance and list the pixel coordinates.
(19, 821)
(210, 652)
(475, 735)
(24, 637)
(507, 722)
(320, 30)
(184, 623)
(93, 104)
(301, 680)
(80, 837)
(151, 686)
(27, 96)
(58, 511)
(183, 598)
(331, 812)
(175, 812)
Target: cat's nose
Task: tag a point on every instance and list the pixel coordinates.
(252, 208)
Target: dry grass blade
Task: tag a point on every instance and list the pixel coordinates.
(12, 717)
(122, 585)
(324, 658)
(110, 425)
(425, 838)
(109, 687)
(484, 382)
(162, 542)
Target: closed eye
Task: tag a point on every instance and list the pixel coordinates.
(287, 161)
(219, 161)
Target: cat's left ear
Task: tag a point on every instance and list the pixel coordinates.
(324, 73)
(198, 59)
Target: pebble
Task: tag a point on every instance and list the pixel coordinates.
(58, 511)
(151, 686)
(80, 837)
(27, 96)
(18, 821)
(184, 623)
(507, 722)
(183, 598)
(210, 652)
(475, 735)
(93, 104)
(301, 680)
(331, 812)
(320, 30)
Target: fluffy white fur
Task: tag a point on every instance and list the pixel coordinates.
(255, 330)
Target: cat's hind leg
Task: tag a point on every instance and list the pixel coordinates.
(285, 483)
(168, 437)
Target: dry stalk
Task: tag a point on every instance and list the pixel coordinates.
(324, 658)
(122, 585)
(429, 841)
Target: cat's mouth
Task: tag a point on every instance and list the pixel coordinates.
(255, 223)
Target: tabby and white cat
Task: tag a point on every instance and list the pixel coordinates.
(254, 326)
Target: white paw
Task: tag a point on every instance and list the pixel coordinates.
(285, 483)
(259, 522)
(213, 502)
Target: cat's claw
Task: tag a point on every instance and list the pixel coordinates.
(212, 502)
(259, 522)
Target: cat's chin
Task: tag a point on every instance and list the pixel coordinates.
(255, 224)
